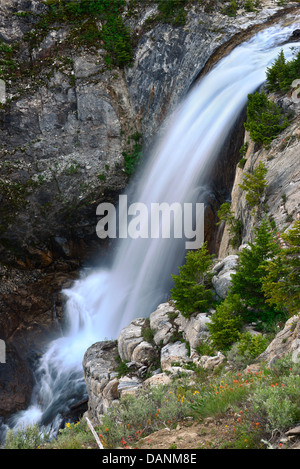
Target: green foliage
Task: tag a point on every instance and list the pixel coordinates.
(147, 332)
(83, 16)
(281, 74)
(172, 11)
(226, 322)
(278, 403)
(230, 9)
(133, 157)
(234, 225)
(137, 416)
(73, 436)
(254, 184)
(281, 285)
(265, 120)
(247, 281)
(192, 291)
(25, 438)
(251, 346)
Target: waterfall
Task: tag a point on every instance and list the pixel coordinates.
(105, 300)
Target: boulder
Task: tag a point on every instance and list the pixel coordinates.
(222, 280)
(129, 385)
(99, 365)
(286, 341)
(194, 329)
(209, 363)
(173, 353)
(161, 323)
(129, 338)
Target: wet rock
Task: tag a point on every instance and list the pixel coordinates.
(99, 365)
(16, 382)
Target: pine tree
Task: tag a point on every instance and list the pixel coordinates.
(265, 120)
(192, 291)
(247, 281)
(277, 73)
(281, 284)
(281, 74)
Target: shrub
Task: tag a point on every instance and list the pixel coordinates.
(82, 15)
(230, 9)
(136, 416)
(172, 11)
(226, 322)
(25, 438)
(234, 225)
(265, 120)
(278, 402)
(134, 156)
(281, 285)
(252, 345)
(254, 184)
(192, 290)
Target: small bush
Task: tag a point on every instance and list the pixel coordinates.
(133, 157)
(172, 11)
(137, 416)
(226, 323)
(255, 184)
(25, 438)
(234, 225)
(278, 402)
(252, 345)
(265, 120)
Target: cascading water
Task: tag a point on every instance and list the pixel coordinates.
(104, 301)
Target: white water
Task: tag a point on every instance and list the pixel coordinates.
(105, 300)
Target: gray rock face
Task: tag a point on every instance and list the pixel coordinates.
(172, 353)
(222, 280)
(131, 344)
(99, 365)
(286, 341)
(283, 176)
(161, 323)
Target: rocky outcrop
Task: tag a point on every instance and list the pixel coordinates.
(287, 341)
(31, 310)
(106, 384)
(100, 363)
(145, 363)
(281, 199)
